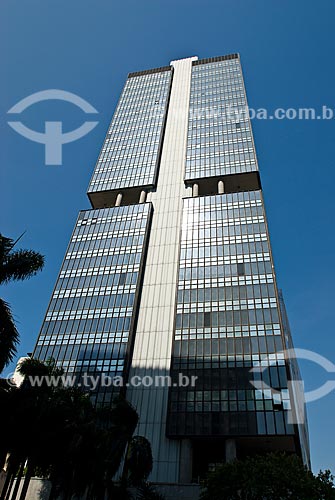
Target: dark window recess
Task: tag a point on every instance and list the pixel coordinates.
(240, 269)
(238, 125)
(207, 319)
(278, 406)
(122, 280)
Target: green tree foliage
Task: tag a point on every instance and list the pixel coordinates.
(147, 491)
(15, 265)
(9, 336)
(58, 433)
(137, 468)
(138, 460)
(269, 477)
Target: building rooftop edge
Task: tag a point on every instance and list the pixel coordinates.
(194, 59)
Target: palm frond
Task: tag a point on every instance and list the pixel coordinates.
(9, 336)
(20, 265)
(32, 367)
(6, 245)
(139, 460)
(147, 491)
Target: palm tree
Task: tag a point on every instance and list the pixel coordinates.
(78, 447)
(138, 462)
(15, 265)
(56, 432)
(137, 468)
(40, 421)
(96, 449)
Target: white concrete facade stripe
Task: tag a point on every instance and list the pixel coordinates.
(154, 335)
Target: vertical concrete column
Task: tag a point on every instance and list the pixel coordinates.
(185, 464)
(230, 448)
(155, 325)
(195, 189)
(143, 196)
(220, 187)
(118, 200)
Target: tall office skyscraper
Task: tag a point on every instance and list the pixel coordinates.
(171, 272)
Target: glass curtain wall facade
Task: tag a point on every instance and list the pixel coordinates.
(219, 132)
(171, 272)
(90, 323)
(90, 320)
(227, 322)
(130, 155)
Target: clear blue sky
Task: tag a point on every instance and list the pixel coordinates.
(88, 47)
